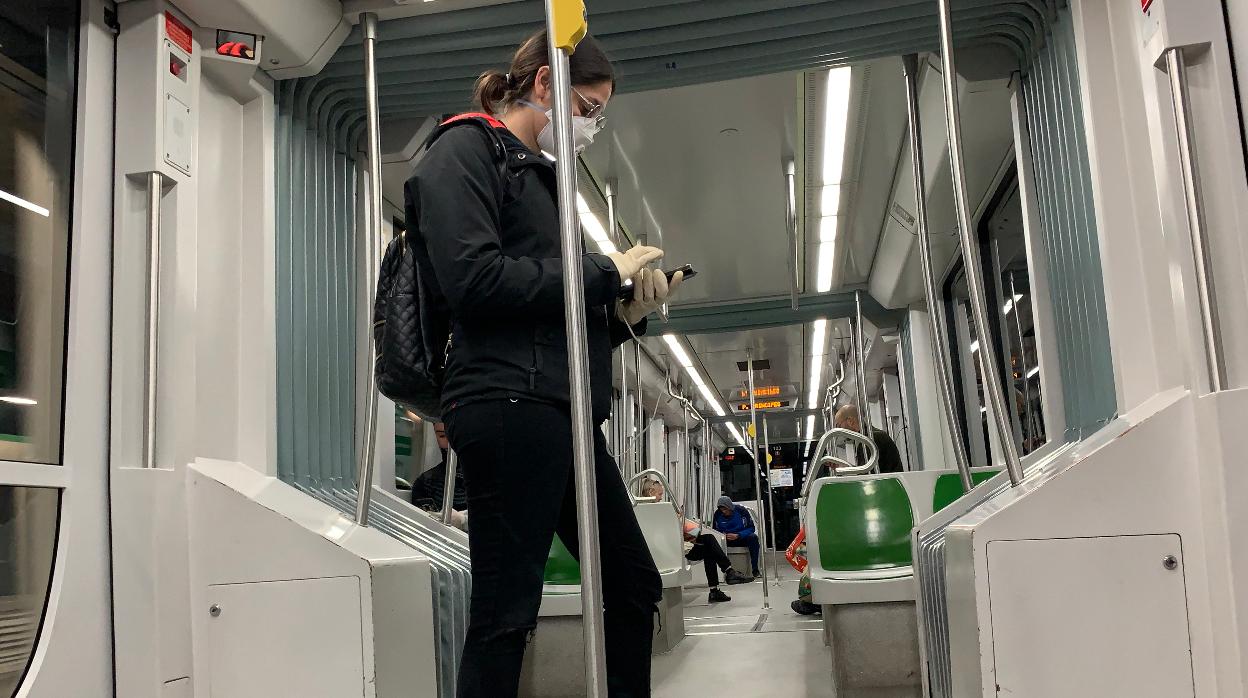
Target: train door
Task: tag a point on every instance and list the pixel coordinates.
(55, 207)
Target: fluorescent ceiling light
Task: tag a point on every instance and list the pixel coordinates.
(836, 119)
(823, 278)
(1009, 305)
(681, 355)
(983, 410)
(817, 339)
(13, 199)
(593, 226)
(974, 346)
(1033, 372)
(810, 430)
(830, 202)
(827, 231)
(19, 401)
(737, 434)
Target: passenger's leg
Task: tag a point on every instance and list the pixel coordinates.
(713, 552)
(516, 459)
(752, 543)
(631, 586)
(700, 552)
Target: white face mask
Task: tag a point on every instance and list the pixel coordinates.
(583, 130)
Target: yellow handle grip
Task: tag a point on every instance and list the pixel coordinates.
(567, 22)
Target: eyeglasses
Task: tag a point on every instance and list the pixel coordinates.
(593, 110)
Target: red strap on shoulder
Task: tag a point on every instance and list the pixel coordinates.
(476, 115)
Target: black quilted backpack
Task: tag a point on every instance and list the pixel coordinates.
(410, 329)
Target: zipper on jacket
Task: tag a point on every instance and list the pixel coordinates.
(446, 355)
(537, 363)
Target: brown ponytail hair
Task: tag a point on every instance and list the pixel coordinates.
(495, 90)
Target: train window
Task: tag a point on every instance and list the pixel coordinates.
(1011, 329)
(38, 45)
(29, 519)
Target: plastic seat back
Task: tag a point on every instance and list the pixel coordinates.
(561, 567)
(948, 488)
(863, 524)
(662, 530)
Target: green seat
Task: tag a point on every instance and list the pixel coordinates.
(948, 487)
(864, 525)
(561, 567)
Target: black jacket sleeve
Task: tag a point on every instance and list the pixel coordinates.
(619, 329)
(455, 192)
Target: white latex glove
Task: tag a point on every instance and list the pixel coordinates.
(650, 292)
(634, 260)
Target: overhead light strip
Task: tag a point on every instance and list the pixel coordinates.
(818, 342)
(835, 133)
(593, 226)
(32, 207)
(686, 362)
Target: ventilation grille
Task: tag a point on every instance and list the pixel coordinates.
(759, 365)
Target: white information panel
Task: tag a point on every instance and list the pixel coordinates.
(781, 477)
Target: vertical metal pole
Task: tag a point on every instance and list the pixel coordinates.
(639, 413)
(1194, 199)
(771, 501)
(448, 489)
(935, 311)
(989, 361)
(790, 207)
(1022, 359)
(758, 485)
(864, 409)
(372, 234)
(151, 358)
(578, 368)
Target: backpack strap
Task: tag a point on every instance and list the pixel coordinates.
(490, 126)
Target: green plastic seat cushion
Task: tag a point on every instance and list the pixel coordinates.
(948, 487)
(561, 567)
(864, 525)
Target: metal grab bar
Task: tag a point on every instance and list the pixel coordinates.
(758, 487)
(667, 486)
(864, 409)
(448, 487)
(935, 314)
(372, 234)
(1194, 201)
(821, 460)
(565, 27)
(151, 359)
(790, 210)
(834, 390)
(989, 357)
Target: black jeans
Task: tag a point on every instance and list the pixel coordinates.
(517, 461)
(713, 557)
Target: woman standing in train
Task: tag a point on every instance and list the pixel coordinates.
(483, 206)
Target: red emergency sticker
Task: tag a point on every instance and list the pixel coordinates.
(177, 32)
(1145, 4)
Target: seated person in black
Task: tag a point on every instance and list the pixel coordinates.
(890, 457)
(428, 488)
(704, 547)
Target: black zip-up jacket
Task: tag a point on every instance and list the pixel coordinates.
(497, 270)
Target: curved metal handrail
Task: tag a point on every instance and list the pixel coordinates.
(667, 486)
(847, 469)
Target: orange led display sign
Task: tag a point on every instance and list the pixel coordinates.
(767, 391)
(765, 405)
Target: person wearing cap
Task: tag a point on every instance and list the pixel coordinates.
(737, 525)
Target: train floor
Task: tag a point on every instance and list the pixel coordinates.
(742, 649)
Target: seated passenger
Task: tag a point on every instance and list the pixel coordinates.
(735, 522)
(704, 547)
(428, 489)
(805, 602)
(889, 459)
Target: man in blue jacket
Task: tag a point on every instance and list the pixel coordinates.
(735, 522)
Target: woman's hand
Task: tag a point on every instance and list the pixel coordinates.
(629, 263)
(650, 291)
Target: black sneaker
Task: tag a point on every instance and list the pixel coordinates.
(757, 574)
(805, 608)
(717, 596)
(734, 577)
